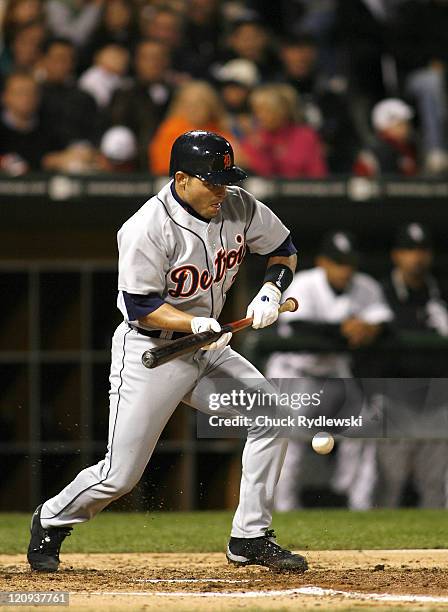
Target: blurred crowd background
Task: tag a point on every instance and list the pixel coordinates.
(302, 88)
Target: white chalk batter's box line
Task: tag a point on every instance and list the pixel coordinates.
(194, 580)
(307, 590)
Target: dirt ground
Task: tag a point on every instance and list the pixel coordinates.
(184, 582)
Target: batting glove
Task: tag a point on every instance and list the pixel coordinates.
(264, 307)
(202, 324)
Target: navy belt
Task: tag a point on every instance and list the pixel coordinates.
(157, 333)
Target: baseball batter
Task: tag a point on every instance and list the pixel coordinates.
(178, 256)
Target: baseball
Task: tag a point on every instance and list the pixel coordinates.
(323, 443)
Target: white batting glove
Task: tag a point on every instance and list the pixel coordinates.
(202, 324)
(264, 307)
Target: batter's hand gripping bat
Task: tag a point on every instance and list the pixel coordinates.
(162, 354)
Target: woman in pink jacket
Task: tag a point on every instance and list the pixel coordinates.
(279, 145)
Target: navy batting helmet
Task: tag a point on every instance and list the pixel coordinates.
(207, 156)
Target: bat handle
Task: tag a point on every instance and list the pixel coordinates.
(289, 305)
(158, 356)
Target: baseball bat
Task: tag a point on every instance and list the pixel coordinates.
(157, 356)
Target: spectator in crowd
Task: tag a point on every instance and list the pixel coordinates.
(415, 297)
(298, 56)
(393, 151)
(162, 23)
(203, 31)
(166, 25)
(25, 49)
(236, 79)
(117, 27)
(73, 19)
(24, 140)
(118, 150)
(280, 145)
(336, 301)
(324, 101)
(249, 39)
(196, 106)
(19, 13)
(405, 54)
(72, 112)
(142, 104)
(363, 28)
(399, 48)
(315, 18)
(106, 75)
(318, 20)
(419, 46)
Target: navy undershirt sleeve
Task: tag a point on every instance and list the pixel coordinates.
(286, 249)
(138, 306)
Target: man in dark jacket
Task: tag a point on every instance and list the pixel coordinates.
(142, 105)
(24, 139)
(72, 112)
(416, 422)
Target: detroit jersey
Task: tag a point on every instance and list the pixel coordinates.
(189, 262)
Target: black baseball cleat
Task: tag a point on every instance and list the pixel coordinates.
(45, 544)
(264, 551)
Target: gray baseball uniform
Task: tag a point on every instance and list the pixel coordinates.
(168, 254)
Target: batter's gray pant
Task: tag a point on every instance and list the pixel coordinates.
(141, 403)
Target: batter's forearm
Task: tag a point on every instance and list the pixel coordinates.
(169, 318)
(280, 271)
(290, 261)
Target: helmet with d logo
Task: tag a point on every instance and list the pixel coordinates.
(207, 156)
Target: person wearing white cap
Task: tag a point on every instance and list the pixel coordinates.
(236, 79)
(391, 114)
(393, 151)
(118, 150)
(241, 71)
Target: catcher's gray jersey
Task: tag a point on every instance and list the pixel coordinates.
(188, 262)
